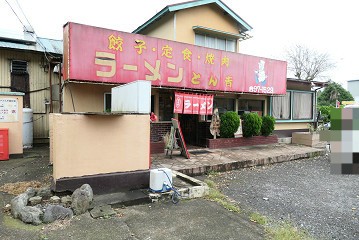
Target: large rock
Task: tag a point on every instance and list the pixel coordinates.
(18, 203)
(30, 192)
(44, 192)
(81, 199)
(56, 212)
(31, 215)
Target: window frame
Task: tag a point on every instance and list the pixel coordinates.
(292, 107)
(216, 38)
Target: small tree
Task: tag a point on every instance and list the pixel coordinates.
(267, 125)
(333, 92)
(229, 124)
(252, 124)
(307, 64)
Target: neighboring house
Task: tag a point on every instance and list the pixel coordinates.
(24, 67)
(353, 88)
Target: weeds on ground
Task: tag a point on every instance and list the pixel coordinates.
(258, 218)
(282, 231)
(212, 173)
(286, 231)
(216, 196)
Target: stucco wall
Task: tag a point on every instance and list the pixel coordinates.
(163, 28)
(15, 127)
(285, 126)
(82, 97)
(93, 144)
(209, 16)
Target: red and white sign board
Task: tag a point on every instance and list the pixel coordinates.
(202, 105)
(95, 54)
(195, 104)
(178, 105)
(187, 104)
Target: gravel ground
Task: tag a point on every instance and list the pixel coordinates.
(303, 192)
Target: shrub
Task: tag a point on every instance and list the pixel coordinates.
(229, 124)
(325, 112)
(267, 125)
(252, 124)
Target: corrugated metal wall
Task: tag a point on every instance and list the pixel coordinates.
(39, 87)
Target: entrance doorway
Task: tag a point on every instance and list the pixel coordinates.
(189, 126)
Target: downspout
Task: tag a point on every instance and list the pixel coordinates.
(174, 26)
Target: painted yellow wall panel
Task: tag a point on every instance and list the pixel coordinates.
(209, 16)
(286, 126)
(162, 29)
(85, 97)
(104, 144)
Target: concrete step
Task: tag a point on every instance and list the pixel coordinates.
(118, 199)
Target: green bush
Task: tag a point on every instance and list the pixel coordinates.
(229, 124)
(267, 125)
(325, 112)
(252, 124)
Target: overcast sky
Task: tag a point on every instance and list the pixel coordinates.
(328, 26)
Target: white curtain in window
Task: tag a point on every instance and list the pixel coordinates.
(231, 45)
(199, 40)
(281, 107)
(221, 44)
(210, 42)
(302, 105)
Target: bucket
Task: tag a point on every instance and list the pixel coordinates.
(160, 180)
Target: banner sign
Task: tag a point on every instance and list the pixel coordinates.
(188, 103)
(101, 55)
(178, 105)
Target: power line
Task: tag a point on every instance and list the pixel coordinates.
(32, 28)
(27, 30)
(16, 15)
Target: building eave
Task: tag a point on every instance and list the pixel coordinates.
(244, 26)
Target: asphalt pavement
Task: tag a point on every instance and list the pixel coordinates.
(302, 192)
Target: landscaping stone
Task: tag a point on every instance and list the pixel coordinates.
(31, 215)
(18, 203)
(44, 192)
(35, 200)
(55, 199)
(56, 212)
(66, 200)
(102, 211)
(81, 199)
(30, 192)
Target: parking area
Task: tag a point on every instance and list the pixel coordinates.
(302, 192)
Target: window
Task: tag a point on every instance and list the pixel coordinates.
(18, 66)
(223, 104)
(281, 107)
(246, 105)
(302, 105)
(107, 102)
(295, 105)
(224, 44)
